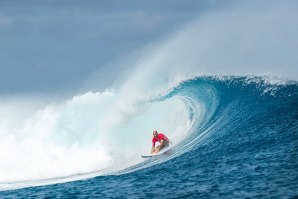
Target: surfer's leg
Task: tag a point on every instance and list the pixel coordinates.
(157, 149)
(163, 144)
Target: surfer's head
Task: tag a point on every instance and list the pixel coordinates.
(155, 133)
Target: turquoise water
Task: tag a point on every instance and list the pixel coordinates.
(243, 142)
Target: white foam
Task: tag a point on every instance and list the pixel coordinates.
(87, 133)
(57, 140)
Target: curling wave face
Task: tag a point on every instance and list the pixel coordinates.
(244, 139)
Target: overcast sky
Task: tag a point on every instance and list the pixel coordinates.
(48, 45)
(54, 45)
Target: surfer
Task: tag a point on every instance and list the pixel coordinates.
(162, 139)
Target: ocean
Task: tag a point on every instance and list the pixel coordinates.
(234, 137)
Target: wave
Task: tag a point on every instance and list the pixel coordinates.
(94, 133)
(219, 105)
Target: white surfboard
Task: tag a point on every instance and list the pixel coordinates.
(160, 153)
(146, 156)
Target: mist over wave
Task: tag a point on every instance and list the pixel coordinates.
(243, 38)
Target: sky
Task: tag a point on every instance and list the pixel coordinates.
(52, 45)
(57, 45)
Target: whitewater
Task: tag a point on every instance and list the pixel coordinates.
(225, 93)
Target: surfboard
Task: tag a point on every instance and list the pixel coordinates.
(146, 156)
(153, 155)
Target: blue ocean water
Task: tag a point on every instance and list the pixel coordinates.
(243, 142)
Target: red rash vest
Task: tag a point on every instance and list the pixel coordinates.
(159, 138)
